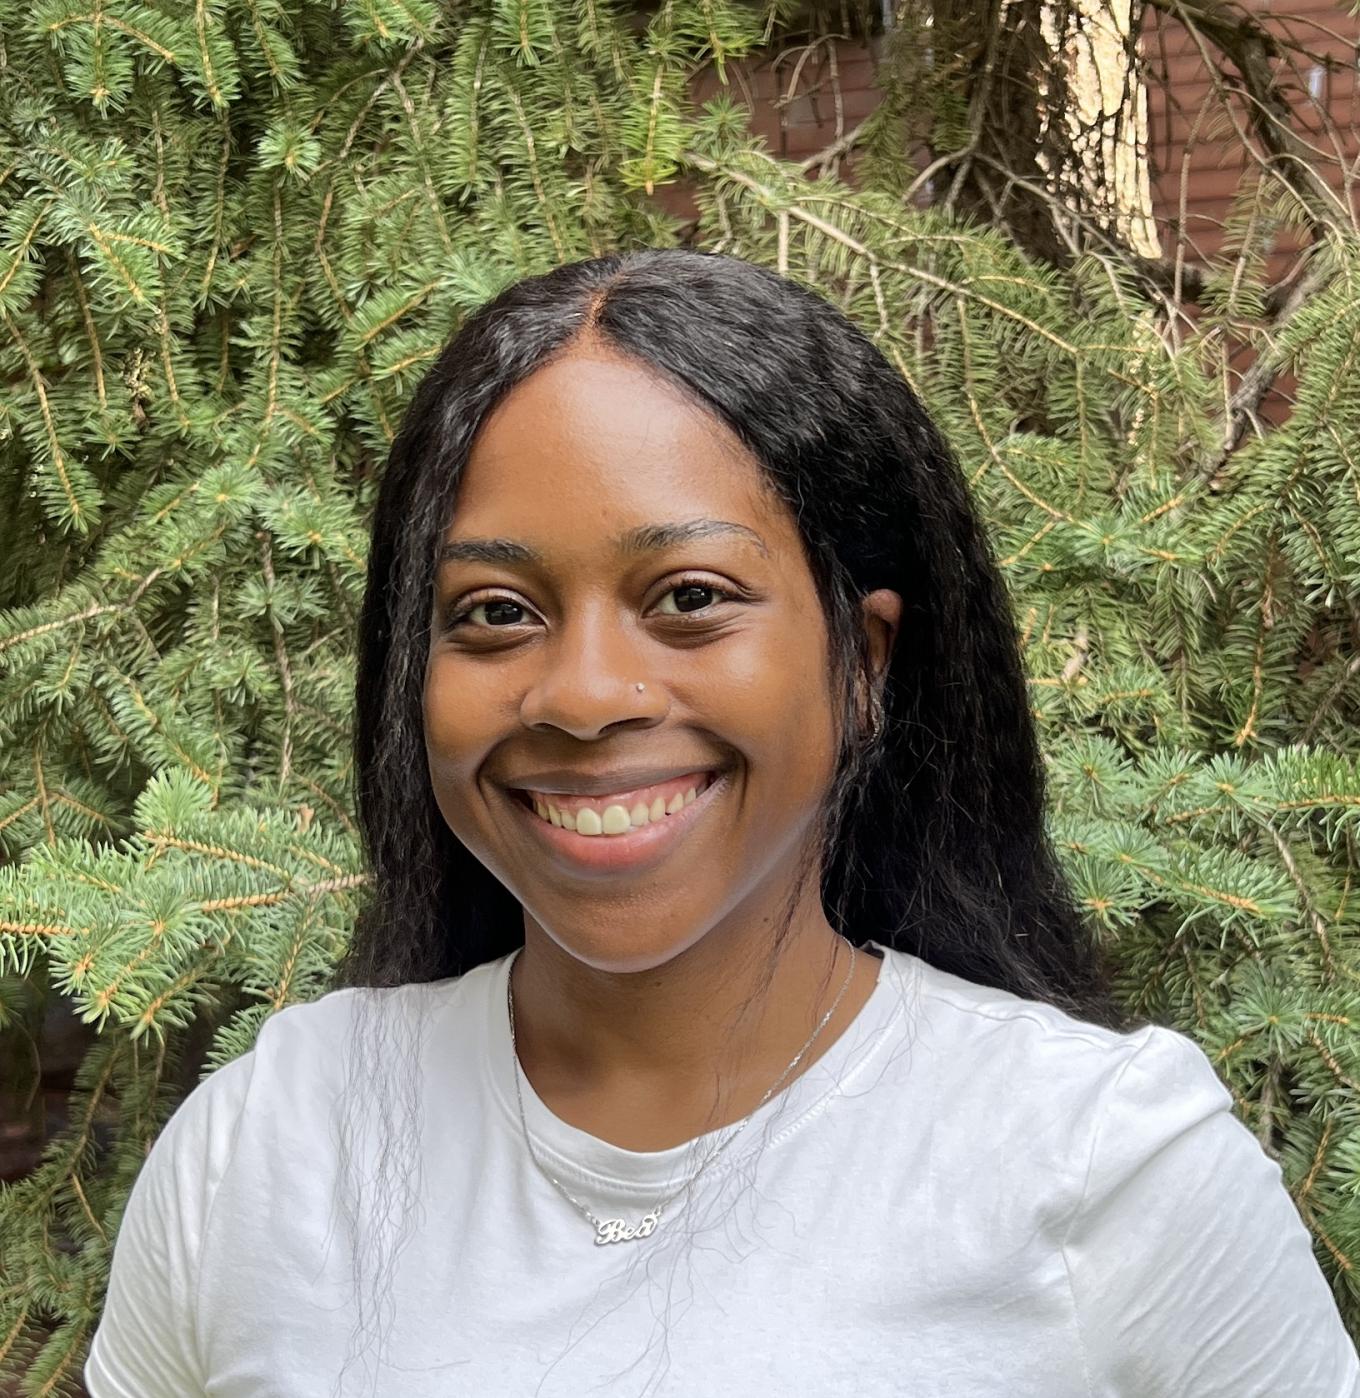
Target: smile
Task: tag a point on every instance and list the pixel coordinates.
(617, 815)
(623, 831)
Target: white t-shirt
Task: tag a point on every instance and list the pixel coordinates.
(970, 1195)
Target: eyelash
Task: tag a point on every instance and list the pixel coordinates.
(730, 594)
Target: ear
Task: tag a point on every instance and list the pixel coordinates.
(882, 616)
(882, 610)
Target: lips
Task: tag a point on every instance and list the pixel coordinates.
(635, 849)
(667, 793)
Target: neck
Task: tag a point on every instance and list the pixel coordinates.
(653, 1058)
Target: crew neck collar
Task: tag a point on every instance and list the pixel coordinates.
(570, 1152)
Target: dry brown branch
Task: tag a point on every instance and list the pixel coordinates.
(1251, 48)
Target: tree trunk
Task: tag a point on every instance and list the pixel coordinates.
(1053, 138)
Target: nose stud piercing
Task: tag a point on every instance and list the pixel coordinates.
(641, 686)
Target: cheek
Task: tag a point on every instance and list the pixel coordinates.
(455, 739)
(774, 701)
(456, 719)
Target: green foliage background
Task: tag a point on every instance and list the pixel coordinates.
(234, 234)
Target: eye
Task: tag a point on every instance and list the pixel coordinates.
(494, 607)
(502, 613)
(686, 589)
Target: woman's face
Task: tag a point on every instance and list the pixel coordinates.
(586, 476)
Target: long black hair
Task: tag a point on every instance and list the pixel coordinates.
(930, 837)
(933, 833)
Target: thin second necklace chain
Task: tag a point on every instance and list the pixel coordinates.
(615, 1230)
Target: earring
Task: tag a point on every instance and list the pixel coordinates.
(876, 715)
(641, 686)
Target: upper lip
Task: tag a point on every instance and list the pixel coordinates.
(566, 782)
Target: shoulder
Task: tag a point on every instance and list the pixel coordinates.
(298, 1061)
(1010, 1034)
(1063, 1086)
(320, 1029)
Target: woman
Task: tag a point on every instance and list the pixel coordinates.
(720, 1022)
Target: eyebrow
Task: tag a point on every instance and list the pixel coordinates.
(646, 538)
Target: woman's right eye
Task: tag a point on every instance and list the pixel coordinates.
(493, 606)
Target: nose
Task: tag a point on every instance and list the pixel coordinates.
(588, 680)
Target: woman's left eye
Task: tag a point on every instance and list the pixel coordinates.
(692, 586)
(684, 590)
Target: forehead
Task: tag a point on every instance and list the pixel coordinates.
(593, 444)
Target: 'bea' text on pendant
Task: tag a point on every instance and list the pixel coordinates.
(615, 1230)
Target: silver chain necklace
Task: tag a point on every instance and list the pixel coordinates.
(615, 1230)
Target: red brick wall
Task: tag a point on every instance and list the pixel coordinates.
(811, 98)
(1189, 110)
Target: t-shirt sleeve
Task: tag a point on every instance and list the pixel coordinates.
(146, 1344)
(1192, 1271)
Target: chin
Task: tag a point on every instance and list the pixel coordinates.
(621, 954)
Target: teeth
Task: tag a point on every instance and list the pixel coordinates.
(614, 819)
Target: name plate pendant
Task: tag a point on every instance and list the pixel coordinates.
(615, 1230)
